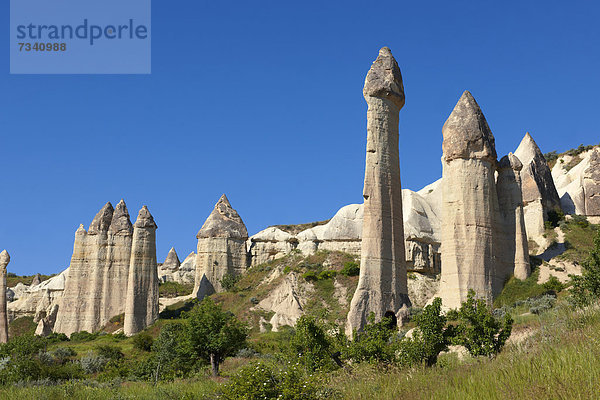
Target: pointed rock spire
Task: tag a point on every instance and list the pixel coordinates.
(223, 222)
(37, 279)
(384, 79)
(510, 161)
(466, 132)
(120, 223)
(102, 220)
(172, 261)
(145, 219)
(4, 260)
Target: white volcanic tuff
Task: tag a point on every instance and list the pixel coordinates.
(469, 204)
(4, 260)
(382, 286)
(141, 305)
(539, 192)
(221, 248)
(184, 274)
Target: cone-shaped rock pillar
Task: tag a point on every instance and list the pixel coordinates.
(80, 305)
(469, 205)
(539, 192)
(4, 260)
(382, 287)
(513, 253)
(221, 248)
(141, 306)
(172, 261)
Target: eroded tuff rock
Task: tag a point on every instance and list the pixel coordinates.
(37, 279)
(172, 262)
(591, 185)
(286, 301)
(221, 248)
(141, 305)
(79, 307)
(184, 274)
(382, 287)
(539, 192)
(513, 254)
(469, 204)
(4, 260)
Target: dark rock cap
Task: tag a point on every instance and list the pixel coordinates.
(510, 161)
(466, 132)
(102, 220)
(121, 224)
(223, 222)
(145, 219)
(384, 79)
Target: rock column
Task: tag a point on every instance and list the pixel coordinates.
(513, 255)
(382, 287)
(469, 204)
(4, 260)
(141, 306)
(591, 185)
(221, 249)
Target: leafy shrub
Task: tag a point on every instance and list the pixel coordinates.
(478, 330)
(254, 300)
(327, 274)
(312, 345)
(119, 336)
(83, 336)
(551, 156)
(261, 381)
(580, 220)
(553, 284)
(555, 216)
(586, 287)
(117, 319)
(377, 342)
(350, 269)
(310, 276)
(430, 337)
(92, 363)
(229, 281)
(174, 289)
(62, 354)
(56, 337)
(541, 304)
(109, 352)
(143, 341)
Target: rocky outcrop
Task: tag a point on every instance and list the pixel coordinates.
(286, 302)
(591, 185)
(36, 301)
(37, 279)
(382, 287)
(270, 244)
(539, 192)
(185, 273)
(469, 204)
(79, 307)
(568, 174)
(172, 262)
(4, 260)
(221, 248)
(141, 305)
(513, 255)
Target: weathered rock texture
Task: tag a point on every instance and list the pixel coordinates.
(185, 273)
(591, 185)
(513, 256)
(79, 308)
(4, 260)
(469, 204)
(382, 287)
(141, 305)
(172, 261)
(539, 192)
(221, 248)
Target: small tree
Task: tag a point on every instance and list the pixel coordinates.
(586, 288)
(312, 344)
(214, 334)
(375, 343)
(478, 330)
(229, 282)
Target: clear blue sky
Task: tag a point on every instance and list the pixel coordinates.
(263, 101)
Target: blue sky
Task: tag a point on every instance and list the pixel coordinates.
(263, 101)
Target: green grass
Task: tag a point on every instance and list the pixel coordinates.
(579, 241)
(174, 289)
(516, 289)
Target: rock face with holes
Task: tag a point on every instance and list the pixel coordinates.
(141, 304)
(221, 248)
(539, 192)
(513, 257)
(469, 204)
(4, 260)
(591, 185)
(382, 286)
(79, 307)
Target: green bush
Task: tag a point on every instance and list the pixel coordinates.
(327, 274)
(554, 217)
(143, 341)
(311, 344)
(92, 363)
(229, 281)
(350, 269)
(580, 220)
(109, 352)
(541, 304)
(553, 284)
(430, 337)
(171, 352)
(174, 289)
(310, 276)
(586, 287)
(83, 336)
(259, 381)
(478, 330)
(377, 342)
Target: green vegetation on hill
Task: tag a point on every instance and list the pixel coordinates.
(13, 279)
(295, 229)
(174, 289)
(552, 156)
